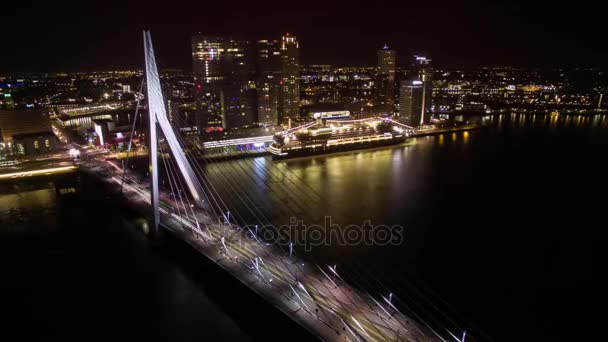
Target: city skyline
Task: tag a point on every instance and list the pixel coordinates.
(464, 35)
(241, 155)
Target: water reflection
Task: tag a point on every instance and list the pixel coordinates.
(28, 206)
(365, 184)
(522, 119)
(34, 201)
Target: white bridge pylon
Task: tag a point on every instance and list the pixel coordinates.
(158, 114)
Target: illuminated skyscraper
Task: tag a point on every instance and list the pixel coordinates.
(387, 61)
(289, 104)
(225, 91)
(206, 58)
(387, 67)
(239, 93)
(268, 81)
(206, 65)
(411, 95)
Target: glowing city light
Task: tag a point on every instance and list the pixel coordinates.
(37, 172)
(74, 153)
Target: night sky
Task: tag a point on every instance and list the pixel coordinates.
(90, 35)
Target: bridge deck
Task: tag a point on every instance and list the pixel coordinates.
(323, 304)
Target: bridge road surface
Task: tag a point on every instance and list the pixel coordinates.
(323, 304)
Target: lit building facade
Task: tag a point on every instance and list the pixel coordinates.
(238, 89)
(207, 53)
(25, 132)
(268, 81)
(385, 87)
(225, 92)
(289, 102)
(35, 143)
(411, 95)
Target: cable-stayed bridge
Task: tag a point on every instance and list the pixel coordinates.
(185, 201)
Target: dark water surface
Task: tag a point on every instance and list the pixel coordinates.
(504, 223)
(75, 265)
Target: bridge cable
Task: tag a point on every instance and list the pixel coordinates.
(124, 165)
(334, 294)
(298, 178)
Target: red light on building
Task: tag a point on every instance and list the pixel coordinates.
(214, 129)
(199, 86)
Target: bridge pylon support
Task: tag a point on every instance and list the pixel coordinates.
(157, 112)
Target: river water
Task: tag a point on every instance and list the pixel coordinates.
(501, 225)
(502, 233)
(75, 266)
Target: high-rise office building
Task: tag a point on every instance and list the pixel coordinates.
(206, 65)
(239, 86)
(385, 87)
(206, 53)
(289, 104)
(387, 61)
(268, 77)
(225, 91)
(411, 102)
